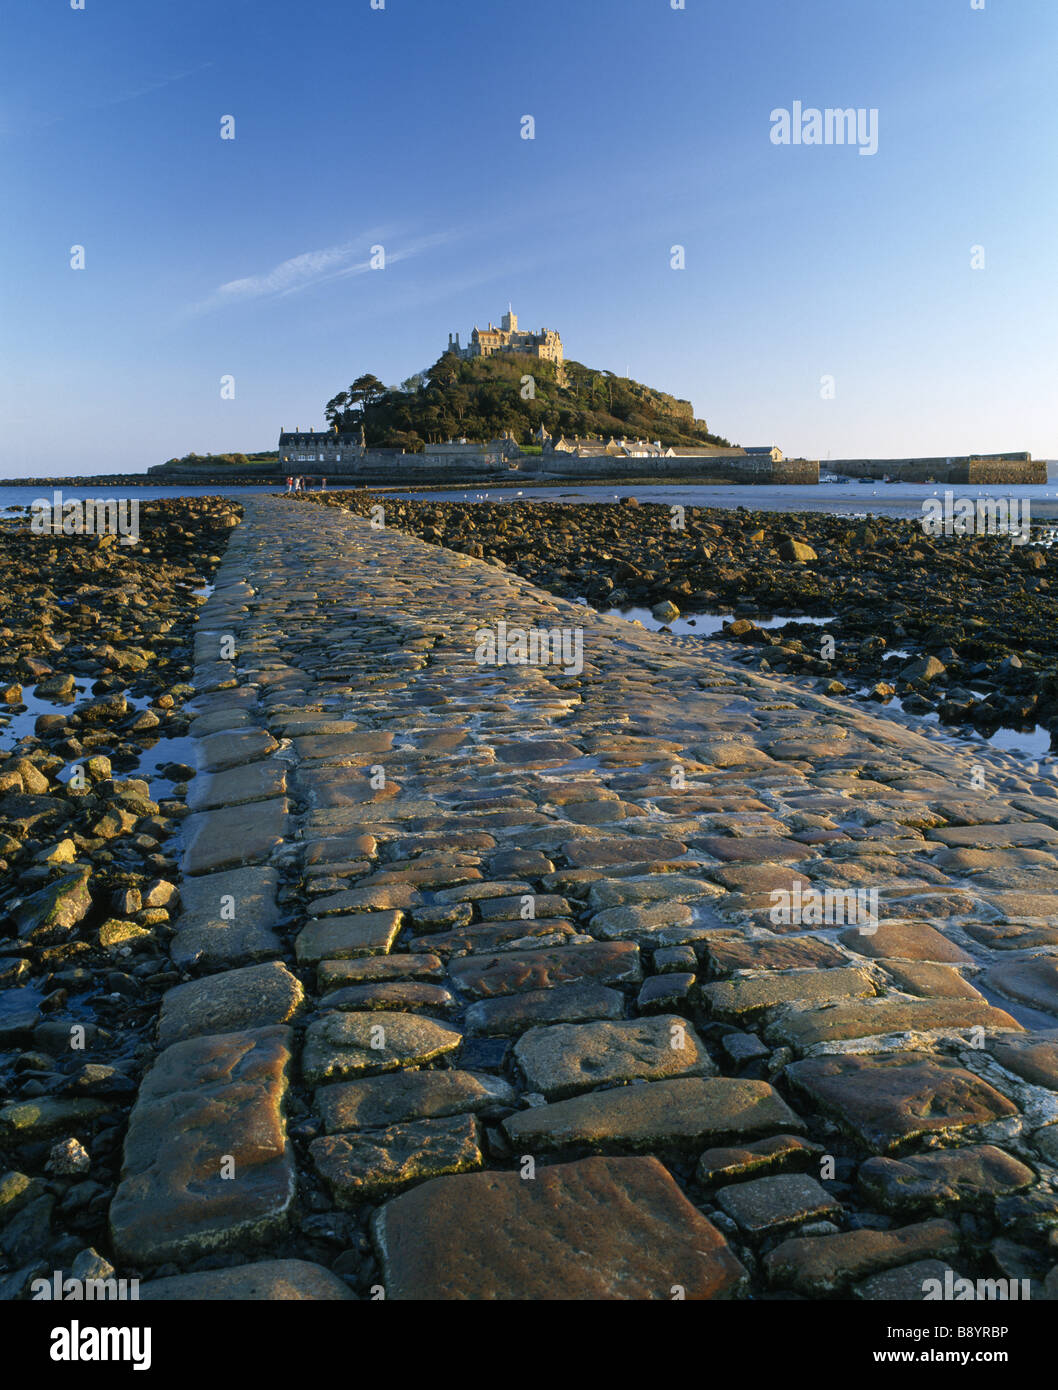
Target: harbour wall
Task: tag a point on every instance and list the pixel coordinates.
(982, 469)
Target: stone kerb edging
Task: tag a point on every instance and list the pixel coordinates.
(207, 1163)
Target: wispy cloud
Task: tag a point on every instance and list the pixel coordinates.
(288, 277)
(313, 268)
(11, 125)
(146, 88)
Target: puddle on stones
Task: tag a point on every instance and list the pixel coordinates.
(153, 754)
(708, 624)
(17, 722)
(1030, 744)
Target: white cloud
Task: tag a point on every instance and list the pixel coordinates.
(309, 269)
(295, 274)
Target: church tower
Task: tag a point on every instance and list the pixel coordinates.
(510, 321)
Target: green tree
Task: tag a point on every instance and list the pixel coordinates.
(445, 370)
(336, 407)
(481, 398)
(365, 390)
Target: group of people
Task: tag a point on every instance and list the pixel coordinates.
(298, 485)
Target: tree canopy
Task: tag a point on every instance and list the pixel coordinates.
(484, 397)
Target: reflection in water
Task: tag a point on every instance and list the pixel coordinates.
(708, 624)
(18, 721)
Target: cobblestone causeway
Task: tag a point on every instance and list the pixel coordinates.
(486, 996)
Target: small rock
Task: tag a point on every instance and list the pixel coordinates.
(796, 550)
(159, 893)
(665, 611)
(54, 910)
(90, 1264)
(68, 1158)
(62, 852)
(126, 902)
(926, 668)
(115, 933)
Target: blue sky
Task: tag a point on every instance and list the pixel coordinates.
(401, 127)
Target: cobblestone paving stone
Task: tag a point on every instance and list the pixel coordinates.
(484, 991)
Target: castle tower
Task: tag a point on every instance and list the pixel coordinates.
(509, 323)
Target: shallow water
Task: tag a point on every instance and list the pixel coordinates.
(17, 724)
(709, 623)
(850, 499)
(25, 496)
(1030, 746)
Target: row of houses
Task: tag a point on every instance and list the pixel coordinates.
(332, 452)
(326, 450)
(597, 447)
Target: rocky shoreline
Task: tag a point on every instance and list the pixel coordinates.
(963, 626)
(94, 671)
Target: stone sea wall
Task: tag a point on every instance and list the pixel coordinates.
(1000, 469)
(379, 469)
(761, 472)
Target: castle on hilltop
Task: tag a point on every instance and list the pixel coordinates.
(486, 342)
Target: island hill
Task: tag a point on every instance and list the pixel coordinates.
(507, 407)
(510, 407)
